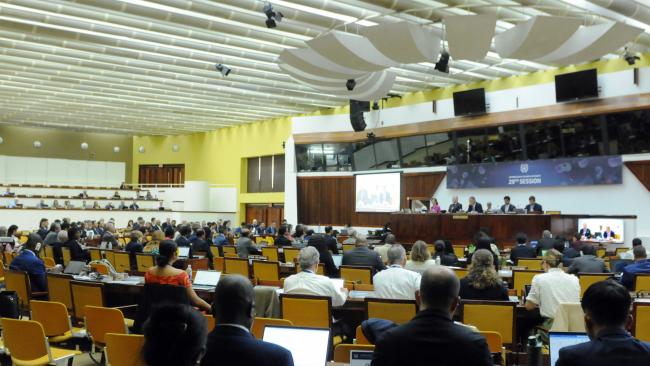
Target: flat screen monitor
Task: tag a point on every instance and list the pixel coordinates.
(605, 230)
(378, 192)
(576, 86)
(308, 346)
(559, 340)
(469, 102)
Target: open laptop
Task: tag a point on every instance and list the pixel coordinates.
(338, 258)
(206, 280)
(308, 346)
(74, 267)
(183, 252)
(559, 340)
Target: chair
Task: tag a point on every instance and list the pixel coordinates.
(342, 351)
(66, 255)
(229, 249)
(26, 341)
(641, 327)
(236, 266)
(357, 274)
(153, 294)
(95, 254)
(569, 317)
(48, 250)
(290, 254)
(124, 349)
(85, 294)
(360, 337)
(109, 255)
(218, 263)
(495, 344)
(212, 322)
(307, 311)
(348, 247)
(215, 251)
(260, 323)
(271, 253)
(199, 264)
(48, 262)
(122, 262)
(54, 318)
(642, 282)
(9, 256)
(266, 271)
(363, 287)
(398, 311)
(2, 271)
(270, 240)
(19, 281)
(100, 320)
(461, 272)
(530, 263)
(588, 279)
(459, 250)
(521, 278)
(491, 316)
(58, 286)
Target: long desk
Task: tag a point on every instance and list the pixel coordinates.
(461, 228)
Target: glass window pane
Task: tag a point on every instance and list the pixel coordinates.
(414, 151)
(309, 158)
(337, 157)
(387, 154)
(440, 149)
(364, 156)
(582, 137)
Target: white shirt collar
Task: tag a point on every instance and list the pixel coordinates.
(235, 326)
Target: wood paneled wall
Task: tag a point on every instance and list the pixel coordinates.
(641, 170)
(267, 213)
(331, 200)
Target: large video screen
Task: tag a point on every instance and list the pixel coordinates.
(378, 192)
(604, 229)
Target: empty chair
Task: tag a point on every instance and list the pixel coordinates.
(357, 274)
(144, 261)
(215, 251)
(122, 262)
(641, 328)
(348, 247)
(342, 351)
(54, 318)
(271, 253)
(459, 250)
(218, 263)
(642, 282)
(259, 323)
(290, 254)
(495, 344)
(124, 349)
(230, 249)
(360, 336)
(211, 321)
(100, 321)
(398, 311)
(109, 255)
(100, 268)
(237, 266)
(95, 254)
(530, 263)
(26, 341)
(66, 255)
(307, 311)
(266, 271)
(521, 278)
(48, 262)
(84, 294)
(491, 316)
(588, 279)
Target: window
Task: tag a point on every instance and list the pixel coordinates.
(265, 174)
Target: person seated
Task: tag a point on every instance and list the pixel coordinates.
(307, 282)
(27, 260)
(609, 234)
(432, 329)
(420, 258)
(108, 240)
(199, 244)
(174, 335)
(284, 237)
(383, 249)
(318, 241)
(116, 195)
(55, 204)
(122, 206)
(245, 245)
(231, 343)
(219, 239)
(455, 205)
(474, 207)
(395, 282)
(640, 265)
(149, 196)
(551, 288)
(83, 194)
(445, 253)
(533, 206)
(77, 252)
(435, 206)
(109, 206)
(507, 207)
(352, 236)
(630, 253)
(482, 281)
(96, 206)
(522, 249)
(152, 245)
(362, 256)
(584, 233)
(13, 203)
(60, 241)
(134, 206)
(272, 229)
(545, 243)
(67, 205)
(42, 204)
(489, 209)
(164, 274)
(588, 262)
(84, 205)
(43, 228)
(134, 246)
(606, 305)
(8, 193)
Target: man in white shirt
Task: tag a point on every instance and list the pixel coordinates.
(307, 282)
(395, 282)
(383, 249)
(550, 289)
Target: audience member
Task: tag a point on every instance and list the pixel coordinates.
(184, 233)
(588, 262)
(152, 245)
(362, 256)
(284, 237)
(545, 243)
(307, 282)
(108, 237)
(13, 233)
(482, 281)
(163, 273)
(61, 240)
(174, 335)
(199, 244)
(420, 258)
(522, 249)
(606, 305)
(383, 249)
(572, 252)
(640, 265)
(352, 236)
(43, 228)
(77, 252)
(245, 245)
(446, 254)
(330, 240)
(318, 241)
(432, 337)
(28, 261)
(629, 255)
(231, 343)
(50, 238)
(395, 282)
(134, 246)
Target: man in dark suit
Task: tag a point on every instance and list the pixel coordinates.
(533, 206)
(330, 240)
(584, 232)
(362, 256)
(507, 207)
(545, 243)
(606, 306)
(588, 262)
(231, 343)
(433, 330)
(28, 261)
(474, 206)
(522, 249)
(455, 205)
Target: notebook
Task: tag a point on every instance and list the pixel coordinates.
(308, 346)
(559, 340)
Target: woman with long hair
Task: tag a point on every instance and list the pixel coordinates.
(482, 282)
(420, 259)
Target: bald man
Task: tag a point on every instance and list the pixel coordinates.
(432, 337)
(231, 343)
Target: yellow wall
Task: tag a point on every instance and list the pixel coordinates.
(218, 157)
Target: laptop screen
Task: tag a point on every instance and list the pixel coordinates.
(74, 267)
(338, 258)
(183, 252)
(558, 340)
(207, 278)
(308, 346)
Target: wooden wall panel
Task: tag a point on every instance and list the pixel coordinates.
(419, 185)
(641, 170)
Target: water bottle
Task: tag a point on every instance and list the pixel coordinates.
(189, 271)
(534, 351)
(438, 260)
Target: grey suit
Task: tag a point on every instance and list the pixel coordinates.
(362, 256)
(245, 247)
(587, 264)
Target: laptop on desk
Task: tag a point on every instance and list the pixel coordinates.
(183, 252)
(206, 280)
(338, 259)
(308, 346)
(74, 267)
(559, 340)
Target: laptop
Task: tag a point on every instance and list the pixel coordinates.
(74, 267)
(559, 340)
(183, 252)
(338, 258)
(360, 358)
(206, 280)
(308, 346)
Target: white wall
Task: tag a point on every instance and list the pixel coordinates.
(218, 199)
(30, 170)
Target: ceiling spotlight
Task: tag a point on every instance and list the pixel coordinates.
(272, 16)
(443, 63)
(223, 69)
(350, 84)
(630, 58)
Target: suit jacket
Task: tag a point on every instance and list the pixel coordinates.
(77, 253)
(584, 232)
(325, 256)
(630, 272)
(544, 244)
(362, 256)
(28, 261)
(455, 207)
(332, 244)
(509, 208)
(569, 255)
(42, 233)
(587, 264)
(534, 208)
(522, 251)
(610, 347)
(477, 207)
(431, 338)
(233, 346)
(245, 247)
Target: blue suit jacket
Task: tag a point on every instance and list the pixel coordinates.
(610, 347)
(477, 207)
(28, 261)
(630, 272)
(233, 346)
